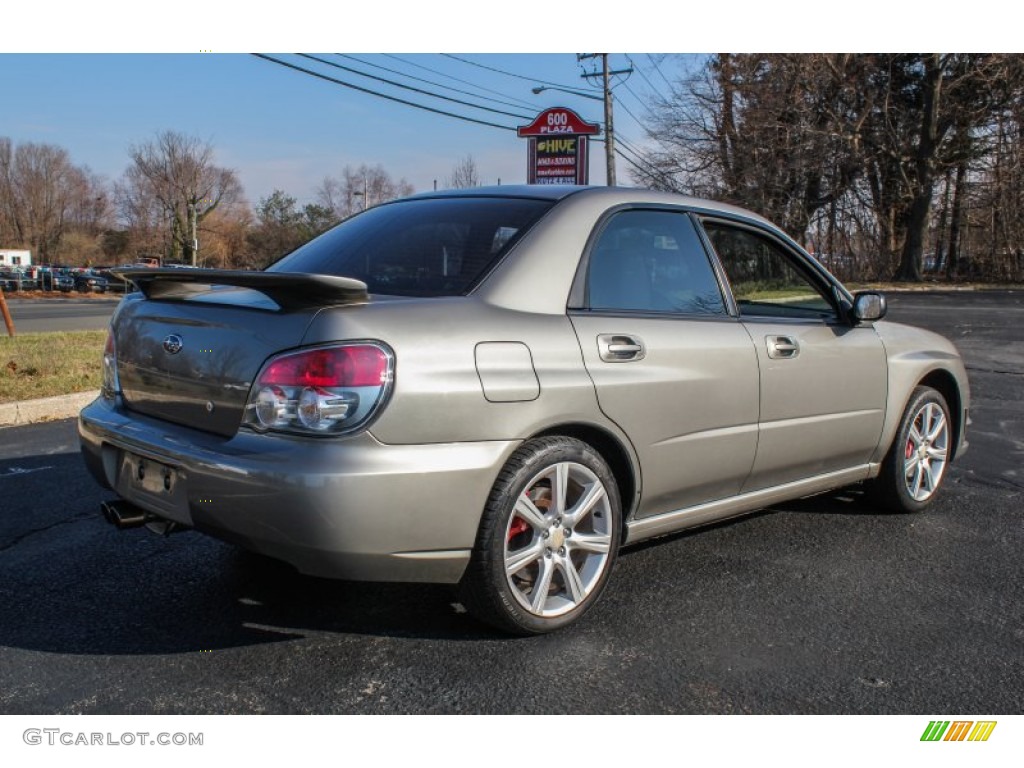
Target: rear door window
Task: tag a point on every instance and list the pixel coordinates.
(652, 261)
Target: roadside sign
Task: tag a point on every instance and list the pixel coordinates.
(557, 149)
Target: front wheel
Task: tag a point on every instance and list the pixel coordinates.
(547, 540)
(913, 469)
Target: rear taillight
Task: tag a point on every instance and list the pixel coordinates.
(111, 385)
(323, 391)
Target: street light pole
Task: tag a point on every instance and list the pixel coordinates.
(195, 240)
(364, 193)
(581, 94)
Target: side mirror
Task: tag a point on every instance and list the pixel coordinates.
(869, 305)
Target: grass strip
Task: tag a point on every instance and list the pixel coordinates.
(48, 364)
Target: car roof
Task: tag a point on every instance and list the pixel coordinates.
(535, 191)
(614, 196)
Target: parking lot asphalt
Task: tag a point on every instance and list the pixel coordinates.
(820, 606)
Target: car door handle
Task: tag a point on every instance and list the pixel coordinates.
(620, 348)
(782, 347)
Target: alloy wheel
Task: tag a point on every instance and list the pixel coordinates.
(558, 539)
(926, 451)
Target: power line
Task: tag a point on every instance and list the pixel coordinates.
(638, 155)
(503, 72)
(381, 95)
(413, 88)
(636, 97)
(631, 147)
(646, 79)
(640, 163)
(452, 77)
(629, 112)
(364, 62)
(658, 70)
(650, 171)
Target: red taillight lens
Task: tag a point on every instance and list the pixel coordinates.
(327, 390)
(359, 366)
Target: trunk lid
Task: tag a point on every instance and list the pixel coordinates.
(190, 353)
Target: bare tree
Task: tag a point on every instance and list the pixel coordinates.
(224, 234)
(464, 175)
(774, 132)
(331, 195)
(359, 188)
(171, 177)
(44, 198)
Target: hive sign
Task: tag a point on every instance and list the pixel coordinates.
(557, 152)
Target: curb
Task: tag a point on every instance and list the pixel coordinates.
(45, 409)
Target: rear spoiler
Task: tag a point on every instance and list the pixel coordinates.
(290, 290)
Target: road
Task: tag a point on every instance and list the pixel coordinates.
(63, 314)
(819, 606)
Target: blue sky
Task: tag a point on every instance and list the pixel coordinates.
(279, 128)
(282, 129)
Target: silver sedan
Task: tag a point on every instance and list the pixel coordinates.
(499, 388)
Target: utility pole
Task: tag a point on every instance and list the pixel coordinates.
(609, 129)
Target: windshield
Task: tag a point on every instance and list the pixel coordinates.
(429, 247)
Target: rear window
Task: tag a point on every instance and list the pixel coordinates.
(432, 247)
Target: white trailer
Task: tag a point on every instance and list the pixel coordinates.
(9, 258)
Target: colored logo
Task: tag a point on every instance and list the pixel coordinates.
(958, 730)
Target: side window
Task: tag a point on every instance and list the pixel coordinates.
(764, 280)
(652, 261)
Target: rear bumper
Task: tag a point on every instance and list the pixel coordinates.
(350, 508)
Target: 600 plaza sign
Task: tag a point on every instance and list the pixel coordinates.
(557, 152)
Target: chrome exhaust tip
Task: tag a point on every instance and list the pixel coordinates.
(123, 514)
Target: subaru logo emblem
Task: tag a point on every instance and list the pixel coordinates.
(173, 344)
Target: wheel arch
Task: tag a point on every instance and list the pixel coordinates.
(946, 385)
(615, 454)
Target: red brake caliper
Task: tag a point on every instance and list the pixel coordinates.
(518, 526)
(910, 448)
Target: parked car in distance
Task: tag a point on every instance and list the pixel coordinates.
(54, 279)
(88, 282)
(114, 283)
(500, 387)
(16, 280)
(62, 281)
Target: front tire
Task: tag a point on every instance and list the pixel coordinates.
(913, 469)
(547, 540)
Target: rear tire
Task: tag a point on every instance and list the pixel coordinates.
(916, 463)
(547, 540)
